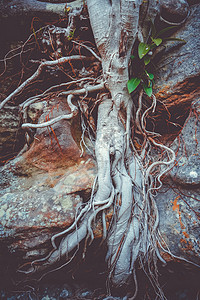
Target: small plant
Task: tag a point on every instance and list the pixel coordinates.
(71, 35)
(144, 57)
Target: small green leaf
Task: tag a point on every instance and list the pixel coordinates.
(164, 30)
(175, 39)
(132, 84)
(146, 60)
(153, 28)
(132, 56)
(150, 75)
(150, 83)
(152, 46)
(143, 49)
(157, 41)
(148, 90)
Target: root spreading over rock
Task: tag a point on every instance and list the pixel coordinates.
(127, 178)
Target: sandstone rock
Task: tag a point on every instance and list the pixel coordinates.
(177, 66)
(179, 222)
(177, 87)
(174, 11)
(178, 200)
(11, 135)
(41, 188)
(187, 168)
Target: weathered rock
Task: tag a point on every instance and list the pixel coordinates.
(174, 11)
(178, 200)
(177, 74)
(187, 168)
(179, 222)
(10, 133)
(177, 87)
(42, 187)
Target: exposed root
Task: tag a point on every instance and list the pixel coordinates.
(57, 62)
(126, 186)
(127, 179)
(89, 49)
(88, 89)
(74, 112)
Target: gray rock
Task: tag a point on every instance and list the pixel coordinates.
(10, 133)
(174, 11)
(40, 189)
(178, 200)
(187, 148)
(179, 222)
(177, 65)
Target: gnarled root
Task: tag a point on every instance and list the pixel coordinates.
(121, 183)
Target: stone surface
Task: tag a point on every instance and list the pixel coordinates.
(177, 65)
(187, 148)
(41, 188)
(178, 200)
(10, 133)
(179, 222)
(174, 10)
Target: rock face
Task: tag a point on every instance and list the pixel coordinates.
(178, 200)
(178, 89)
(177, 73)
(41, 188)
(186, 171)
(174, 11)
(10, 133)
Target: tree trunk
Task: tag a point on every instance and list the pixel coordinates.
(114, 38)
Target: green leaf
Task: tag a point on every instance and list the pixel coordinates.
(150, 83)
(153, 28)
(152, 46)
(148, 90)
(164, 30)
(175, 39)
(143, 49)
(157, 41)
(132, 84)
(146, 60)
(150, 75)
(132, 56)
